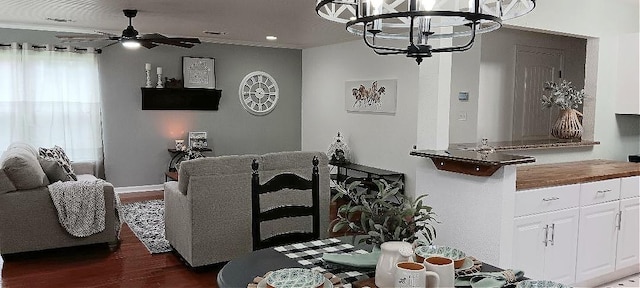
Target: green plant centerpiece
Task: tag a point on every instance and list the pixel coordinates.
(387, 215)
(567, 98)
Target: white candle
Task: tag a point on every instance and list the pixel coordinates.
(159, 71)
(147, 66)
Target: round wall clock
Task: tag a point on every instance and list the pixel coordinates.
(258, 93)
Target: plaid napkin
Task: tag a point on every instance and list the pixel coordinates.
(309, 255)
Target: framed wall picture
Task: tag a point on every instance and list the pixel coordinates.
(371, 96)
(198, 140)
(198, 72)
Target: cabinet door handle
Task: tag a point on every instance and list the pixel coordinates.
(553, 233)
(546, 234)
(619, 225)
(550, 199)
(603, 191)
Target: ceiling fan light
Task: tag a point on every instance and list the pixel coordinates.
(131, 44)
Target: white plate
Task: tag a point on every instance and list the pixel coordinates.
(540, 284)
(294, 278)
(327, 284)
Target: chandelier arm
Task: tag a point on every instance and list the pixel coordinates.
(376, 47)
(459, 48)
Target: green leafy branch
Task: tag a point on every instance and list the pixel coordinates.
(563, 95)
(387, 215)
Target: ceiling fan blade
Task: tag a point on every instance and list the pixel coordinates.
(159, 38)
(147, 44)
(114, 43)
(186, 40)
(106, 34)
(174, 43)
(153, 36)
(82, 36)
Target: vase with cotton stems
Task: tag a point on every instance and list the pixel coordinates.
(567, 98)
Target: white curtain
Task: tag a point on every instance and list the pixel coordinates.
(50, 97)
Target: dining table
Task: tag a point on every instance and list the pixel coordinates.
(239, 272)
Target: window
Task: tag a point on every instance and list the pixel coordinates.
(50, 97)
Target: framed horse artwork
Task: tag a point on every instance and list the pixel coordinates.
(371, 96)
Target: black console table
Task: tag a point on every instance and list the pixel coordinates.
(349, 170)
(176, 155)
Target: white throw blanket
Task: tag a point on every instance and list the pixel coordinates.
(80, 206)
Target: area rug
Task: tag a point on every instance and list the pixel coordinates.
(146, 220)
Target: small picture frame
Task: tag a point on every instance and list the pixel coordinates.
(198, 140)
(198, 72)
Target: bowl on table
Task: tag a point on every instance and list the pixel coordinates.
(454, 254)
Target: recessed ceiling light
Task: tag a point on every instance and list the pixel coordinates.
(272, 38)
(214, 32)
(59, 20)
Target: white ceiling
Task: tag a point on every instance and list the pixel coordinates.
(248, 22)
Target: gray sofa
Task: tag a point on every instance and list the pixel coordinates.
(208, 211)
(28, 218)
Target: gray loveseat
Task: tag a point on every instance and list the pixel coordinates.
(28, 218)
(208, 211)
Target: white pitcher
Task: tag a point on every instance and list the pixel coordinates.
(391, 253)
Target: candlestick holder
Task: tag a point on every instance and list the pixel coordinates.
(148, 84)
(159, 84)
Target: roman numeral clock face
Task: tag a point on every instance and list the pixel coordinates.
(258, 93)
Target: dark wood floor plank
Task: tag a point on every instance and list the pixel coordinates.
(96, 266)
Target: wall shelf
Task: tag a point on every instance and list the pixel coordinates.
(180, 99)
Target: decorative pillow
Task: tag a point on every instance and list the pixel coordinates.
(57, 155)
(23, 169)
(53, 169)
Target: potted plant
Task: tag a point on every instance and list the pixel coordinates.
(385, 215)
(567, 98)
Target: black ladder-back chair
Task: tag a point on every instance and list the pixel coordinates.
(277, 183)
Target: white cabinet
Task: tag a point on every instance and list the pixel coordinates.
(628, 97)
(544, 244)
(529, 233)
(609, 230)
(560, 255)
(597, 241)
(628, 225)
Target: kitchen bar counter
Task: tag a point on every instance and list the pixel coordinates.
(471, 162)
(557, 174)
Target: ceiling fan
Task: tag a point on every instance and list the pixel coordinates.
(130, 38)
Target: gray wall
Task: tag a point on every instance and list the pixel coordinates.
(136, 141)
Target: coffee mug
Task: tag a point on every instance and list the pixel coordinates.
(414, 275)
(443, 267)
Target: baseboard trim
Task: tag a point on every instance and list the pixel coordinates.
(618, 274)
(135, 189)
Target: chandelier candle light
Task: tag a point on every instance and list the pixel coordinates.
(417, 21)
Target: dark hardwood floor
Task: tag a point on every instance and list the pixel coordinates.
(131, 265)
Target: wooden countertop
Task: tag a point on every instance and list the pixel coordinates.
(546, 175)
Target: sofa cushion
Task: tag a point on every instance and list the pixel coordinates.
(23, 169)
(56, 156)
(221, 165)
(5, 183)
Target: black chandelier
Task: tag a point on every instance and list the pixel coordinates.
(418, 21)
